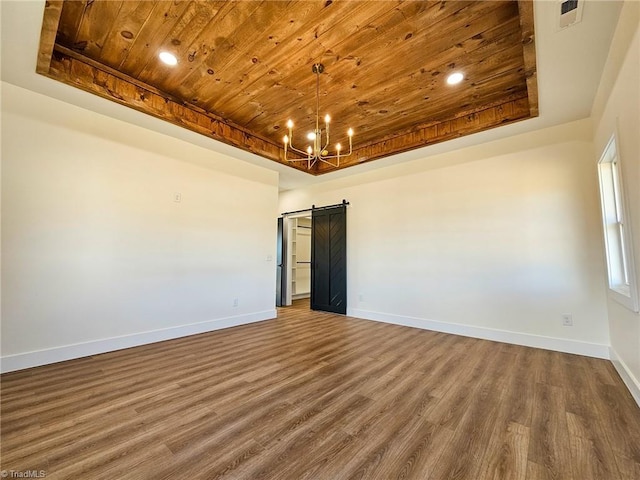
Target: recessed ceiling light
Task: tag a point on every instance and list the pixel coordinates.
(168, 58)
(455, 78)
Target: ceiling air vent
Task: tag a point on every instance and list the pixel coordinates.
(570, 12)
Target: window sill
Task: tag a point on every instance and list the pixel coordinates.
(623, 296)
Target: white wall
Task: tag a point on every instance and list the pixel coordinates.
(495, 241)
(97, 255)
(618, 105)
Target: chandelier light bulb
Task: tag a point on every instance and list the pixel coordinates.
(309, 150)
(350, 132)
(327, 118)
(338, 147)
(286, 139)
(290, 124)
(311, 136)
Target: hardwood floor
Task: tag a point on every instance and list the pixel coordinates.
(319, 396)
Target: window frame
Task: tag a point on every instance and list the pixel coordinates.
(621, 278)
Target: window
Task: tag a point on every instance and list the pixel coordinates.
(617, 234)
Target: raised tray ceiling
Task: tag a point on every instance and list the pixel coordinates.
(244, 67)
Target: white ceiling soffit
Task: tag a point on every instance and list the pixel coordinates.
(570, 62)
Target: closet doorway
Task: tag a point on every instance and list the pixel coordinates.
(312, 258)
(299, 264)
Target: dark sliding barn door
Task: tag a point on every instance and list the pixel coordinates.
(329, 259)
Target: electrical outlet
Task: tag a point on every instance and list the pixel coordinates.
(235, 302)
(567, 320)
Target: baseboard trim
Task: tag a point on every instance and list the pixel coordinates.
(628, 378)
(526, 339)
(20, 361)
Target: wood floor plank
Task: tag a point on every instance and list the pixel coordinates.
(463, 458)
(629, 470)
(592, 455)
(506, 454)
(589, 461)
(622, 424)
(519, 394)
(549, 444)
(313, 395)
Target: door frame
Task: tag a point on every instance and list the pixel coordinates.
(287, 294)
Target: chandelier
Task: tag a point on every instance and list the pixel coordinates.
(319, 138)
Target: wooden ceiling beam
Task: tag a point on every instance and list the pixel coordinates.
(525, 8)
(50, 21)
(431, 134)
(73, 71)
(106, 84)
(449, 114)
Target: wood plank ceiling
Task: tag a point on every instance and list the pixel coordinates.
(244, 67)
